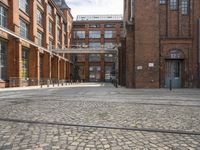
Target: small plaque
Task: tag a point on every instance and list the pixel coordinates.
(139, 67)
(151, 64)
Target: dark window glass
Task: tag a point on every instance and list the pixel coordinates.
(3, 60)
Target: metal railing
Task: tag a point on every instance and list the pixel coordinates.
(25, 82)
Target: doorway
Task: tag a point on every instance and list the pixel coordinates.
(173, 73)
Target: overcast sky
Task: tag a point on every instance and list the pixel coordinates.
(87, 7)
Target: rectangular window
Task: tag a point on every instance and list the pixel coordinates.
(50, 9)
(94, 34)
(109, 34)
(79, 34)
(173, 4)
(109, 58)
(94, 25)
(40, 17)
(65, 27)
(25, 62)
(24, 6)
(162, 1)
(50, 27)
(3, 60)
(23, 29)
(59, 35)
(109, 45)
(3, 16)
(50, 44)
(94, 57)
(94, 44)
(58, 19)
(40, 38)
(185, 7)
(109, 25)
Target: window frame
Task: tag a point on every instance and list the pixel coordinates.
(24, 6)
(3, 16)
(24, 27)
(185, 7)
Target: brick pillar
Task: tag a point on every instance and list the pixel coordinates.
(102, 68)
(33, 24)
(87, 67)
(47, 65)
(14, 15)
(64, 70)
(34, 64)
(61, 67)
(55, 67)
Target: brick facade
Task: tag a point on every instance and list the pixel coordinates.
(162, 44)
(83, 59)
(42, 63)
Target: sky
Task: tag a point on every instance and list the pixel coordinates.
(95, 7)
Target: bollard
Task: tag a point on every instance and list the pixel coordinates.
(47, 83)
(170, 85)
(53, 83)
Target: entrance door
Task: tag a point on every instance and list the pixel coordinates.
(173, 73)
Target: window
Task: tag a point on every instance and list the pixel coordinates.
(94, 57)
(3, 58)
(40, 17)
(79, 34)
(185, 7)
(65, 27)
(50, 43)
(50, 9)
(173, 4)
(3, 16)
(109, 34)
(25, 63)
(23, 29)
(162, 1)
(24, 5)
(94, 44)
(50, 27)
(94, 25)
(40, 38)
(109, 25)
(95, 34)
(109, 58)
(59, 35)
(58, 19)
(108, 45)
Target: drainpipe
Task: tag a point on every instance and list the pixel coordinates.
(132, 11)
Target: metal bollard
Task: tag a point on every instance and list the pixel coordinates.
(170, 85)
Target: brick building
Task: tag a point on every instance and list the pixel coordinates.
(29, 29)
(96, 32)
(161, 44)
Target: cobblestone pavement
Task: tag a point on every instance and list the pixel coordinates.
(38, 118)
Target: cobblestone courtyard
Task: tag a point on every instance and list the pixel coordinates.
(98, 116)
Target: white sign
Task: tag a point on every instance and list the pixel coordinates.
(139, 67)
(151, 64)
